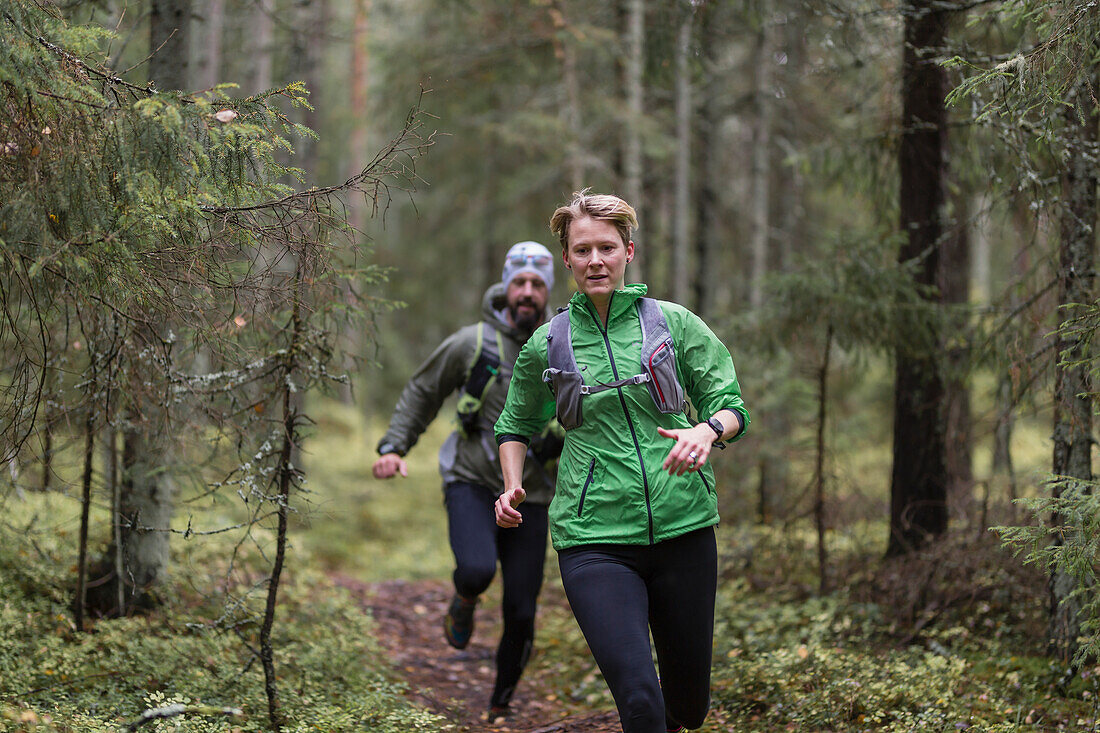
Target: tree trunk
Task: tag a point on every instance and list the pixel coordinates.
(566, 51)
(213, 27)
(85, 510)
(760, 175)
(789, 209)
(49, 389)
(146, 492)
(360, 85)
(308, 32)
(261, 35)
(1073, 409)
(681, 212)
(169, 39)
(955, 290)
(146, 497)
(285, 477)
(918, 488)
(1006, 392)
(632, 137)
(707, 219)
(819, 464)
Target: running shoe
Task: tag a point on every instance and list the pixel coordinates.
(458, 624)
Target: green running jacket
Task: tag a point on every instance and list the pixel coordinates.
(610, 485)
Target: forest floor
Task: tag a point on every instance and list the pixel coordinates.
(456, 684)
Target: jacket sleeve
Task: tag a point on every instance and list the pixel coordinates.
(707, 370)
(530, 403)
(441, 374)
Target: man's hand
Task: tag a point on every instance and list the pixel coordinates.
(505, 508)
(389, 465)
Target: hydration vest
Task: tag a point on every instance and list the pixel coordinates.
(480, 376)
(658, 364)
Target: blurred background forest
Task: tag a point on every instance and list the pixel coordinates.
(885, 209)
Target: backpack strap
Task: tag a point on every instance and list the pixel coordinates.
(480, 375)
(559, 355)
(559, 343)
(659, 357)
(658, 365)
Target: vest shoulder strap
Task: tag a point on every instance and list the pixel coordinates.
(559, 343)
(480, 374)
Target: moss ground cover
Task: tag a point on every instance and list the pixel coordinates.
(949, 640)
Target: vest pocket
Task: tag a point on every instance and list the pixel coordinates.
(587, 483)
(566, 387)
(664, 386)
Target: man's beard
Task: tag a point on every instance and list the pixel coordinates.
(525, 321)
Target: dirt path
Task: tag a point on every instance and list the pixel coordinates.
(456, 684)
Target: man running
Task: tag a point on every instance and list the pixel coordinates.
(477, 361)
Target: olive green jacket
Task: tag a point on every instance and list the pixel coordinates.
(473, 458)
(611, 487)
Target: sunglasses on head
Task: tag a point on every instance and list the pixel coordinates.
(536, 260)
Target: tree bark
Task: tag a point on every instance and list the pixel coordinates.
(146, 493)
(261, 35)
(285, 478)
(1073, 409)
(85, 509)
(955, 289)
(918, 488)
(760, 174)
(146, 499)
(707, 219)
(681, 212)
(566, 52)
(632, 138)
(169, 39)
(360, 85)
(213, 27)
(819, 464)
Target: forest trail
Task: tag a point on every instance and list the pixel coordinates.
(456, 684)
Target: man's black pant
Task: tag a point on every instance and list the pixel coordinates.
(619, 594)
(478, 543)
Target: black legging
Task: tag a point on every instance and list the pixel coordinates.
(477, 543)
(619, 593)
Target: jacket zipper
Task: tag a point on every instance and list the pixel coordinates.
(705, 482)
(587, 483)
(626, 413)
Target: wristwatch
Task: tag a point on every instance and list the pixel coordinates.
(717, 426)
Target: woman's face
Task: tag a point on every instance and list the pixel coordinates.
(597, 257)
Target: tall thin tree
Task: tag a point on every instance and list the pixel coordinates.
(681, 211)
(634, 86)
(918, 485)
(1072, 463)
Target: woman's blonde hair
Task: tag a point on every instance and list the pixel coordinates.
(604, 207)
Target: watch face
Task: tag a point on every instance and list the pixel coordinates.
(717, 425)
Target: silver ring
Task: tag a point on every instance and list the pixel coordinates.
(692, 456)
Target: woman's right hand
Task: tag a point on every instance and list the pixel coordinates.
(507, 514)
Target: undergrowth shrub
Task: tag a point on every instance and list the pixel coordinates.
(331, 672)
(941, 653)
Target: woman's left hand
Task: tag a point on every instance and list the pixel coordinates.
(691, 450)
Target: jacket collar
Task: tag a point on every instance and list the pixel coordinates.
(622, 301)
